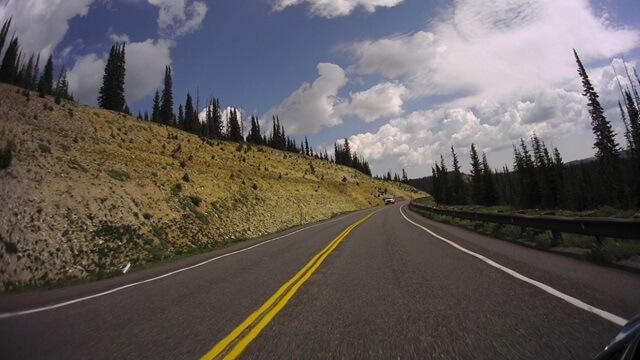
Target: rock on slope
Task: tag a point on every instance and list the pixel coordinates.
(90, 190)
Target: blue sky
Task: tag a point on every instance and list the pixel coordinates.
(404, 80)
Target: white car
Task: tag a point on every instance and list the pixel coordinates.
(388, 201)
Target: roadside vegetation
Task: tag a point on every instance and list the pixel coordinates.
(608, 251)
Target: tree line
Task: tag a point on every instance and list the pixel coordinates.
(213, 126)
(540, 179)
(22, 71)
(16, 70)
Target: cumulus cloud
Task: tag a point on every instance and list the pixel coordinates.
(508, 48)
(178, 18)
(335, 8)
(145, 66)
(502, 69)
(314, 106)
(381, 100)
(39, 25)
(85, 78)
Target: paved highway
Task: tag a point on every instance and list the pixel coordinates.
(379, 283)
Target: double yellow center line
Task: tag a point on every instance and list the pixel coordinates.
(233, 345)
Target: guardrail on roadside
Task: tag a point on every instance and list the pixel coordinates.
(598, 227)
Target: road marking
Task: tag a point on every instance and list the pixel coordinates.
(570, 299)
(233, 345)
(70, 302)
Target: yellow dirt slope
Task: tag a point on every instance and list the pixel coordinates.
(90, 190)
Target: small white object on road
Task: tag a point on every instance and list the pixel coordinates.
(126, 268)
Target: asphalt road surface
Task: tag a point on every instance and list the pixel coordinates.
(351, 287)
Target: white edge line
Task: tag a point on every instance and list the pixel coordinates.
(54, 306)
(571, 300)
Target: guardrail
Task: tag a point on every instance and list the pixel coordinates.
(598, 227)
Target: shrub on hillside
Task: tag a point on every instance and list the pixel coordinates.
(5, 157)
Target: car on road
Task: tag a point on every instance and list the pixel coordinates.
(388, 201)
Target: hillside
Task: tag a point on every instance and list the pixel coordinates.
(89, 190)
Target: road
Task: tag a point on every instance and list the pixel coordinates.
(388, 288)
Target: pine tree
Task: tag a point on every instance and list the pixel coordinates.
(607, 150)
(111, 94)
(45, 85)
(62, 85)
(180, 117)
(476, 176)
(166, 105)
(235, 134)
(254, 133)
(9, 67)
(489, 193)
(155, 110)
(4, 32)
(458, 193)
(191, 122)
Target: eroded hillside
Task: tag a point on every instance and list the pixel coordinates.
(89, 190)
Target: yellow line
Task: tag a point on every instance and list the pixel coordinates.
(291, 287)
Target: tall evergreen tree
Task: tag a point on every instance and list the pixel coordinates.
(111, 94)
(180, 117)
(607, 150)
(45, 85)
(476, 176)
(191, 121)
(458, 193)
(166, 106)
(10, 62)
(489, 193)
(3, 33)
(235, 134)
(62, 85)
(254, 136)
(155, 110)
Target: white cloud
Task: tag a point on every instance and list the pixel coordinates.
(501, 70)
(145, 66)
(504, 49)
(85, 78)
(311, 106)
(39, 24)
(335, 8)
(317, 105)
(382, 100)
(177, 18)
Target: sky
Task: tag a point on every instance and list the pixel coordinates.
(403, 80)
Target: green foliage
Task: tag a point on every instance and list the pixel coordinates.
(195, 200)
(186, 178)
(44, 148)
(176, 189)
(111, 93)
(147, 216)
(119, 175)
(10, 248)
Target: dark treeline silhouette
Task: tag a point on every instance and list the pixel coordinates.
(16, 69)
(540, 179)
(343, 156)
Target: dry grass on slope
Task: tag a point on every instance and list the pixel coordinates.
(90, 190)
